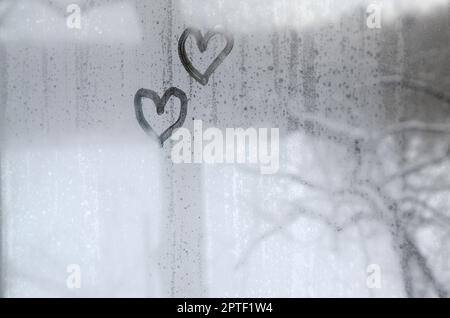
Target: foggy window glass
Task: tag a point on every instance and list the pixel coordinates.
(258, 148)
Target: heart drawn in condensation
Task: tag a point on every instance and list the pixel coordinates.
(160, 104)
(202, 43)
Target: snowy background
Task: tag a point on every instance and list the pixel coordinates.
(364, 118)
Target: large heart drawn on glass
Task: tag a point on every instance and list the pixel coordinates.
(160, 104)
(202, 43)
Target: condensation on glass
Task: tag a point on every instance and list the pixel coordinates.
(92, 206)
